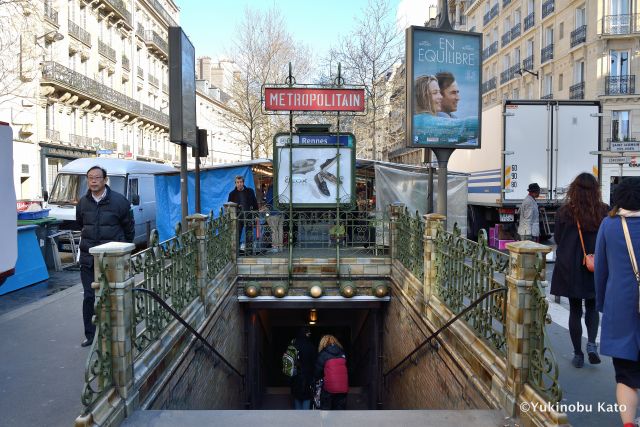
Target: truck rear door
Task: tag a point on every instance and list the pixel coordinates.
(577, 134)
(527, 143)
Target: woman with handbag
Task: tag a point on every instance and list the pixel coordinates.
(576, 226)
(617, 298)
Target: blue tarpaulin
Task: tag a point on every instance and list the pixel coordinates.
(215, 186)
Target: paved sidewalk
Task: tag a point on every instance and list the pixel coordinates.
(42, 368)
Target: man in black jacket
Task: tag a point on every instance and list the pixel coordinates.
(246, 200)
(104, 216)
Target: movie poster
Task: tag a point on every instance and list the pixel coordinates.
(443, 87)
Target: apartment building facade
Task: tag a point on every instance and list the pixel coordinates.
(93, 82)
(561, 49)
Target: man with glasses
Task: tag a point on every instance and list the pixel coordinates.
(104, 216)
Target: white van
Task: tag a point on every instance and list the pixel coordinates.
(131, 178)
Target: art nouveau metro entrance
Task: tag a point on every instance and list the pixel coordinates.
(270, 326)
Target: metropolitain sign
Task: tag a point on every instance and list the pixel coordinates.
(313, 99)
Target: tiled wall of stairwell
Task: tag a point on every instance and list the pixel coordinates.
(435, 380)
(318, 267)
(201, 381)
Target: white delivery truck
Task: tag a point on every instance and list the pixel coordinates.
(547, 142)
(133, 179)
(8, 219)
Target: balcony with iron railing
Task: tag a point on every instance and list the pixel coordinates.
(618, 25)
(509, 74)
(58, 75)
(125, 63)
(529, 21)
(491, 50)
(620, 85)
(154, 40)
(491, 14)
(53, 135)
(153, 80)
(576, 91)
(120, 9)
(162, 12)
(527, 63)
(548, 7)
(81, 141)
(50, 14)
(506, 38)
(516, 31)
(546, 54)
(106, 50)
(79, 33)
(489, 85)
(579, 35)
(547, 96)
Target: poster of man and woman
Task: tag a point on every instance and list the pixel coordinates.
(444, 88)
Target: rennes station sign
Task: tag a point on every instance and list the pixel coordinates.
(313, 99)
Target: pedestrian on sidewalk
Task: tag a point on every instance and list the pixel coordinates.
(103, 216)
(529, 227)
(331, 367)
(245, 197)
(274, 220)
(302, 381)
(617, 281)
(576, 227)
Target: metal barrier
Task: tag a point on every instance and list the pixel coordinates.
(168, 269)
(265, 233)
(464, 271)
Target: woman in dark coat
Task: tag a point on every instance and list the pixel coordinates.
(571, 278)
(617, 295)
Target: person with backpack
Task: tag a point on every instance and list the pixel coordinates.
(302, 381)
(331, 367)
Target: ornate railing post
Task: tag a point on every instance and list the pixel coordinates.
(526, 266)
(198, 223)
(115, 258)
(395, 210)
(432, 222)
(231, 209)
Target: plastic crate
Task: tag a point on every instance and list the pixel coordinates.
(34, 215)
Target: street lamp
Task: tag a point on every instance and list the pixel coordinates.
(51, 36)
(524, 70)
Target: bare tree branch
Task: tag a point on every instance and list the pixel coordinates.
(367, 56)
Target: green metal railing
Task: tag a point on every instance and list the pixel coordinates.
(219, 238)
(168, 269)
(356, 232)
(543, 370)
(464, 271)
(410, 243)
(98, 374)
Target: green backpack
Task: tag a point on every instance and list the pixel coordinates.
(290, 360)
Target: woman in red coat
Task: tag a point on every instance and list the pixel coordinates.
(331, 366)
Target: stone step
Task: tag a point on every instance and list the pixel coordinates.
(241, 418)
